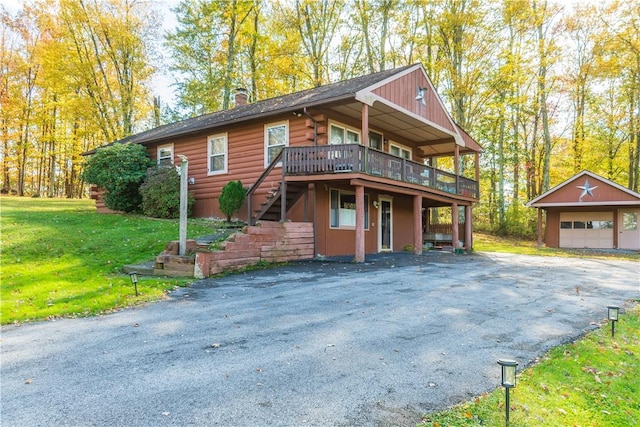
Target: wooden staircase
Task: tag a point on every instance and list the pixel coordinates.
(275, 207)
(271, 209)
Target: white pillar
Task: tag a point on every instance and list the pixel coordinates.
(184, 178)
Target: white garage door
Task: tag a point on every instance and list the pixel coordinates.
(586, 230)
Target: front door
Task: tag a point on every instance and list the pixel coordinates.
(385, 236)
(629, 232)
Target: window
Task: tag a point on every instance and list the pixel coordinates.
(217, 154)
(400, 151)
(343, 135)
(165, 154)
(629, 221)
(578, 225)
(565, 225)
(375, 140)
(343, 209)
(276, 137)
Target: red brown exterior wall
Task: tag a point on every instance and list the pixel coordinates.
(245, 163)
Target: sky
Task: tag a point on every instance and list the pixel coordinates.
(161, 83)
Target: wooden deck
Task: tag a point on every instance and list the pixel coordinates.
(354, 158)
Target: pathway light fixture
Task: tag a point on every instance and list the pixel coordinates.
(612, 314)
(134, 279)
(508, 380)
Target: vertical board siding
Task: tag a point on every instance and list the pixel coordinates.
(403, 91)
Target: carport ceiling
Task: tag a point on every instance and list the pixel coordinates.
(431, 140)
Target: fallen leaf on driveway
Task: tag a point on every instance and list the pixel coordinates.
(28, 381)
(166, 414)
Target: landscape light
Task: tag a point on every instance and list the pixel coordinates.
(134, 279)
(508, 380)
(612, 314)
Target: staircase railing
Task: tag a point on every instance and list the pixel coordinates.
(256, 184)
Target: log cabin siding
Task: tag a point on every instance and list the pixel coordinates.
(246, 158)
(403, 92)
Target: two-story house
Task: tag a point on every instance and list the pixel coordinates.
(355, 158)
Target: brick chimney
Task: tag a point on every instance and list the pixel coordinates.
(241, 96)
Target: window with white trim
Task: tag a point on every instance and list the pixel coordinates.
(400, 151)
(165, 155)
(276, 137)
(217, 154)
(343, 209)
(343, 135)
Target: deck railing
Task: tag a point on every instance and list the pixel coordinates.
(324, 159)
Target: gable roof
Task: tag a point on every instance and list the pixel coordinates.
(575, 192)
(346, 90)
(268, 107)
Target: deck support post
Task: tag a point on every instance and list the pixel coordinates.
(468, 228)
(417, 225)
(455, 233)
(360, 226)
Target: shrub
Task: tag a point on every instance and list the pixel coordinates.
(119, 169)
(232, 198)
(161, 193)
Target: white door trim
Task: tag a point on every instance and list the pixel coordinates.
(628, 239)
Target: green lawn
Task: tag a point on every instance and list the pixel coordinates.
(592, 382)
(61, 258)
(488, 243)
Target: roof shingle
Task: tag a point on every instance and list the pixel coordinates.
(272, 106)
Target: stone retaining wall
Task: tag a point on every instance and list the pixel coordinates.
(267, 241)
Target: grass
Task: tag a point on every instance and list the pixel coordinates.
(591, 382)
(61, 258)
(489, 243)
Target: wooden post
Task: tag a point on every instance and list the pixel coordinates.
(417, 225)
(456, 160)
(468, 228)
(365, 125)
(455, 233)
(283, 194)
(359, 257)
(539, 227)
(477, 162)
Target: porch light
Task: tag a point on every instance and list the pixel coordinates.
(612, 314)
(134, 279)
(375, 204)
(508, 380)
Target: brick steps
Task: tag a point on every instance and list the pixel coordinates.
(268, 241)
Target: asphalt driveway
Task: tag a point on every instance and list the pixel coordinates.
(313, 343)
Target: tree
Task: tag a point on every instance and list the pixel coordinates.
(317, 22)
(119, 169)
(206, 70)
(232, 198)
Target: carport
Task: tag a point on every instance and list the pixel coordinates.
(589, 211)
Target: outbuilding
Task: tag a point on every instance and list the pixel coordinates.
(589, 211)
